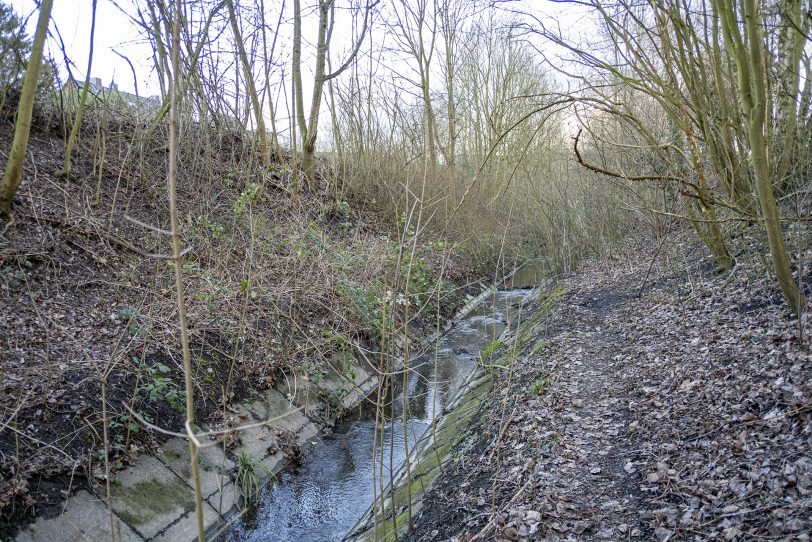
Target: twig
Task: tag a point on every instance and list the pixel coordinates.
(489, 526)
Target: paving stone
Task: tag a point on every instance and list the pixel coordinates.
(275, 405)
(223, 501)
(274, 463)
(339, 384)
(308, 436)
(303, 393)
(150, 497)
(185, 530)
(214, 465)
(85, 518)
(360, 391)
(255, 440)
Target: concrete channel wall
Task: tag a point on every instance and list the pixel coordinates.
(433, 450)
(153, 500)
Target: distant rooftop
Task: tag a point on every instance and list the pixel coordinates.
(144, 104)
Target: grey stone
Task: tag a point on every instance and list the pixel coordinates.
(214, 465)
(85, 518)
(274, 463)
(303, 393)
(150, 497)
(309, 435)
(185, 530)
(351, 391)
(279, 411)
(255, 440)
(225, 500)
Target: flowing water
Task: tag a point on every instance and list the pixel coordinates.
(334, 487)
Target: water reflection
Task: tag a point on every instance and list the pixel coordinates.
(334, 487)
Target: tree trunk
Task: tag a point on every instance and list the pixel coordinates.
(309, 128)
(80, 111)
(14, 168)
(251, 88)
(298, 94)
(276, 148)
(791, 38)
(758, 148)
(311, 133)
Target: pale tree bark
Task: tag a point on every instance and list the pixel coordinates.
(450, 27)
(14, 167)
(665, 60)
(337, 142)
(251, 88)
(709, 229)
(192, 80)
(309, 126)
(749, 53)
(80, 110)
(177, 258)
(267, 60)
(411, 27)
(791, 38)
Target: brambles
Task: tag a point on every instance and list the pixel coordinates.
(538, 386)
(158, 387)
(137, 323)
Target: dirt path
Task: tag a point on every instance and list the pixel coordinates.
(680, 415)
(568, 445)
(592, 482)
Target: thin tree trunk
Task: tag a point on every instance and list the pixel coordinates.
(178, 260)
(749, 57)
(251, 88)
(790, 48)
(758, 148)
(80, 111)
(275, 147)
(14, 167)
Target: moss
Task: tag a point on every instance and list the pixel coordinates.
(450, 431)
(385, 532)
(169, 452)
(151, 497)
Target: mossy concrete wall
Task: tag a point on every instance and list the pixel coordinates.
(390, 513)
(426, 462)
(153, 500)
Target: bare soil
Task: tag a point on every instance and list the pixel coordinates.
(84, 297)
(682, 414)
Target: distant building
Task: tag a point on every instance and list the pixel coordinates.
(144, 105)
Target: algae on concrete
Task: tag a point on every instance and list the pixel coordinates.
(150, 497)
(428, 458)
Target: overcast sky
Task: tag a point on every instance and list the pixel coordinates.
(115, 32)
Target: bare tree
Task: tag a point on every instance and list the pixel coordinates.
(80, 110)
(749, 52)
(308, 127)
(251, 89)
(14, 167)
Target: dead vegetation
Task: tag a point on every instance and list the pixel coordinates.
(271, 289)
(454, 152)
(682, 414)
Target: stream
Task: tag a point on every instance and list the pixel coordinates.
(334, 486)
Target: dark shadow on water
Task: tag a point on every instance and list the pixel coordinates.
(334, 486)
